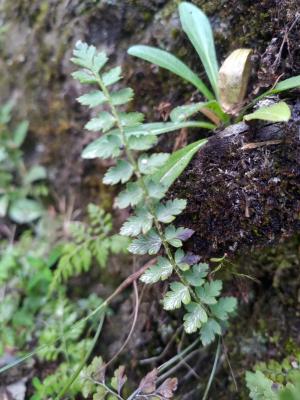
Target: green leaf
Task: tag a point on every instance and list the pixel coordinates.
(175, 236)
(194, 318)
(131, 196)
(196, 275)
(101, 393)
(87, 57)
(167, 61)
(216, 108)
(176, 164)
(20, 133)
(141, 143)
(112, 76)
(123, 96)
(166, 212)
(178, 294)
(4, 201)
(260, 386)
(86, 258)
(84, 77)
(131, 119)
(36, 173)
(209, 331)
(5, 111)
(122, 172)
(161, 271)
(155, 190)
(87, 386)
(287, 84)
(180, 262)
(290, 392)
(158, 128)
(119, 244)
(100, 59)
(105, 147)
(209, 292)
(141, 222)
(198, 29)
(225, 306)
(149, 243)
(150, 164)
(103, 122)
(101, 252)
(279, 112)
(24, 211)
(92, 99)
(83, 54)
(118, 381)
(3, 156)
(184, 112)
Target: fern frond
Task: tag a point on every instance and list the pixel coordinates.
(89, 242)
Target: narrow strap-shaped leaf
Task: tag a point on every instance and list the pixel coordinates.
(181, 113)
(167, 61)
(279, 112)
(287, 84)
(176, 163)
(158, 128)
(197, 27)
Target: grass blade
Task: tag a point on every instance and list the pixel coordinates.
(197, 27)
(167, 61)
(176, 164)
(287, 84)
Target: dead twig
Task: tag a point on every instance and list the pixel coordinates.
(136, 310)
(255, 145)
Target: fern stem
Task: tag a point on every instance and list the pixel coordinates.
(143, 186)
(213, 371)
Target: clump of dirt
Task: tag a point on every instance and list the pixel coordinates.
(242, 193)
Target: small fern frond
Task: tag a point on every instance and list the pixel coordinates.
(91, 241)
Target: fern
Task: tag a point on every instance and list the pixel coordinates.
(95, 381)
(90, 241)
(275, 380)
(147, 179)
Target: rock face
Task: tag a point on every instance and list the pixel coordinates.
(257, 187)
(35, 67)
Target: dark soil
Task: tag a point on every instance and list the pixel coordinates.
(241, 196)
